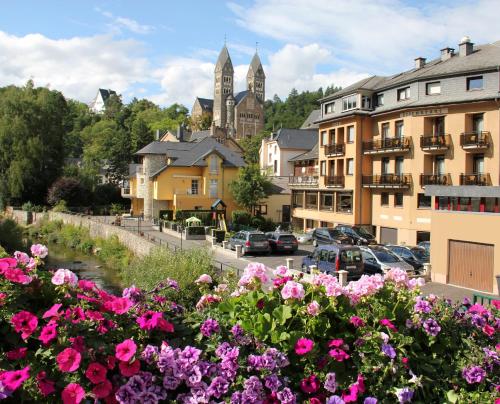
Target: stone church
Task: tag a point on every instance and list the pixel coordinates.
(234, 115)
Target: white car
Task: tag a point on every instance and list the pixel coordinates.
(305, 238)
(378, 259)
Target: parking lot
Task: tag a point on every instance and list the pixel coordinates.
(273, 260)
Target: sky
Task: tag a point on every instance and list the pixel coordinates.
(166, 50)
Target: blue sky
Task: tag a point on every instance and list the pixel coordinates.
(166, 50)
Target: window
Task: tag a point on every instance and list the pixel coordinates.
(384, 198)
(194, 187)
(311, 200)
(350, 167)
(213, 164)
(275, 167)
(344, 202)
(385, 130)
(322, 170)
(324, 138)
(261, 210)
(398, 199)
(380, 99)
(366, 102)
(142, 181)
(227, 79)
(297, 199)
(329, 108)
(309, 223)
(478, 164)
(433, 88)
(399, 165)
(213, 188)
(349, 102)
(275, 149)
(475, 83)
(385, 165)
(399, 129)
(270, 158)
(350, 134)
(326, 201)
(477, 123)
(443, 202)
(226, 90)
(424, 201)
(403, 94)
(439, 165)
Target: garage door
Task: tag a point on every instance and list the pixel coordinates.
(470, 265)
(388, 235)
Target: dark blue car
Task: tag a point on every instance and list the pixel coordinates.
(333, 258)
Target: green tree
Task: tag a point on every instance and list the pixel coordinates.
(250, 187)
(140, 135)
(251, 146)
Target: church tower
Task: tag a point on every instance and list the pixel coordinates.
(256, 79)
(224, 73)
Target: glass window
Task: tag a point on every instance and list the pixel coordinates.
(350, 256)
(261, 209)
(439, 165)
(384, 198)
(312, 200)
(424, 201)
(475, 83)
(399, 129)
(403, 93)
(297, 199)
(350, 166)
(213, 164)
(386, 256)
(257, 237)
(475, 202)
(344, 203)
(398, 199)
(433, 88)
(324, 137)
(454, 203)
(385, 165)
(322, 170)
(194, 187)
(332, 256)
(490, 204)
(329, 108)
(380, 99)
(327, 201)
(350, 134)
(213, 188)
(399, 165)
(443, 203)
(477, 123)
(349, 102)
(385, 130)
(464, 204)
(478, 164)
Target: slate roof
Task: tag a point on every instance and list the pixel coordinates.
(196, 136)
(308, 155)
(105, 94)
(223, 58)
(369, 83)
(206, 103)
(296, 138)
(309, 123)
(256, 63)
(279, 185)
(238, 97)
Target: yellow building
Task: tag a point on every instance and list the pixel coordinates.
(383, 140)
(182, 176)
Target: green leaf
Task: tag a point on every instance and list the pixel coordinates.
(452, 396)
(282, 313)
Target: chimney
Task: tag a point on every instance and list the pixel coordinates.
(446, 53)
(419, 62)
(465, 47)
(157, 134)
(180, 133)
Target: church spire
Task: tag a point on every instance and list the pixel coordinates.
(223, 59)
(256, 65)
(256, 78)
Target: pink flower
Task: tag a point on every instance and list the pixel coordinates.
(205, 278)
(45, 385)
(102, 390)
(13, 379)
(75, 314)
(254, 271)
(6, 263)
(206, 300)
(303, 346)
(282, 270)
(73, 393)
(48, 334)
(3, 297)
(53, 311)
(78, 343)
(165, 325)
(86, 285)
(21, 257)
(94, 315)
(357, 321)
(496, 304)
(398, 276)
(121, 305)
(126, 350)
(64, 276)
(386, 322)
(293, 290)
(336, 343)
(149, 320)
(24, 322)
(129, 369)
(310, 384)
(477, 309)
(339, 354)
(16, 354)
(69, 360)
(488, 330)
(313, 308)
(39, 250)
(96, 373)
(17, 275)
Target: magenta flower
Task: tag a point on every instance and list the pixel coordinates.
(73, 393)
(387, 323)
(96, 373)
(120, 305)
(303, 346)
(69, 360)
(209, 327)
(25, 323)
(149, 320)
(339, 354)
(53, 311)
(48, 333)
(474, 374)
(336, 343)
(310, 384)
(13, 379)
(17, 275)
(357, 321)
(126, 350)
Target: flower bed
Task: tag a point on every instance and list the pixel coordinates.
(276, 339)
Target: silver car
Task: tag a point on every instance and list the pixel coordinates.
(379, 259)
(305, 238)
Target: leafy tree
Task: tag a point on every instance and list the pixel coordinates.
(68, 189)
(250, 187)
(251, 146)
(202, 122)
(140, 135)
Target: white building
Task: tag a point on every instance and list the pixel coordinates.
(98, 104)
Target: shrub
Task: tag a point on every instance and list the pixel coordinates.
(61, 206)
(69, 189)
(241, 217)
(11, 235)
(107, 194)
(195, 230)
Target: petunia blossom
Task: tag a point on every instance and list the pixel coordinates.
(69, 360)
(303, 346)
(126, 350)
(73, 393)
(25, 323)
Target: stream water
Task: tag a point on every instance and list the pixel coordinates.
(85, 266)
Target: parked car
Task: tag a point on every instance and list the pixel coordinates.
(305, 238)
(415, 256)
(378, 260)
(328, 235)
(359, 235)
(251, 242)
(335, 257)
(282, 242)
(426, 245)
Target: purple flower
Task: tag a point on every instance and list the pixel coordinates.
(370, 400)
(171, 382)
(404, 395)
(4, 392)
(132, 293)
(331, 382)
(149, 354)
(237, 331)
(125, 395)
(388, 350)
(431, 327)
(272, 382)
(237, 397)
(334, 400)
(473, 374)
(422, 306)
(286, 396)
(218, 387)
(209, 327)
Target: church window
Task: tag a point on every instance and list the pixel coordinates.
(227, 79)
(258, 84)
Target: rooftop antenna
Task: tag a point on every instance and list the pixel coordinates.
(256, 47)
(224, 39)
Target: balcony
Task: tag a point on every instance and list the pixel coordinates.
(472, 141)
(334, 150)
(335, 181)
(435, 179)
(187, 191)
(435, 143)
(387, 145)
(475, 179)
(395, 181)
(303, 181)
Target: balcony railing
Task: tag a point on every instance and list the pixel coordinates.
(435, 142)
(335, 149)
(387, 145)
(306, 181)
(475, 179)
(387, 181)
(475, 140)
(335, 181)
(435, 179)
(187, 191)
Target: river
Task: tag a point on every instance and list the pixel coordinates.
(85, 266)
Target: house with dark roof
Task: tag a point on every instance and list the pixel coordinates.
(98, 104)
(182, 176)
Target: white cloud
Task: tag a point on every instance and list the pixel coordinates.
(128, 23)
(77, 66)
(376, 36)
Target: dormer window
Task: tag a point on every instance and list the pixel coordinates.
(349, 102)
(330, 108)
(380, 99)
(404, 94)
